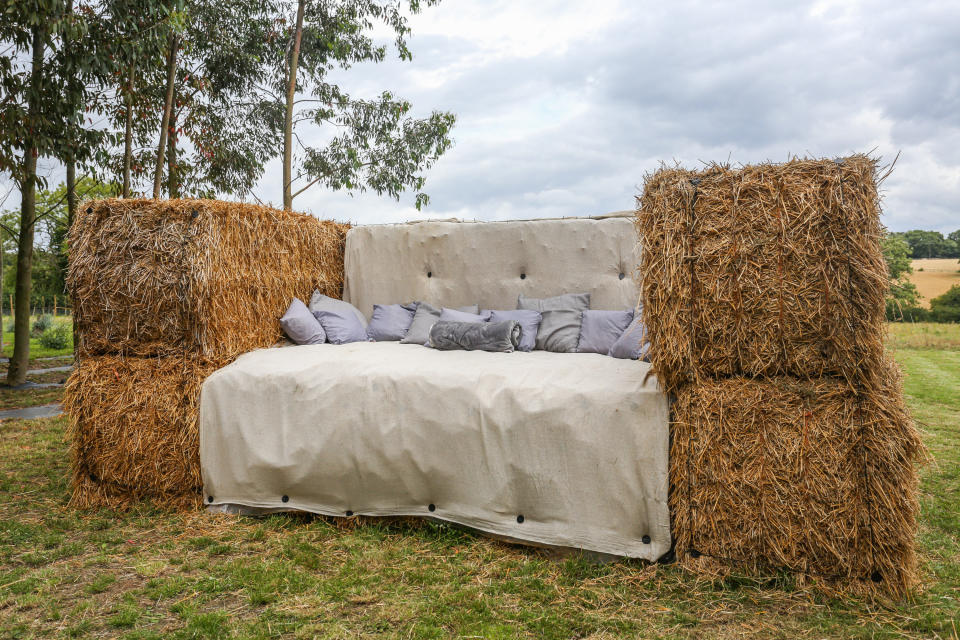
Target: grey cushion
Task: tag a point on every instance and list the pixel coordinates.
(301, 326)
(600, 329)
(475, 336)
(342, 326)
(320, 302)
(560, 328)
(529, 323)
(454, 315)
(423, 319)
(390, 321)
(633, 344)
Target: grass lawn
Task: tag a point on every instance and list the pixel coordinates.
(40, 358)
(923, 335)
(150, 574)
(37, 350)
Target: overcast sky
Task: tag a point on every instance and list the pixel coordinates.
(563, 106)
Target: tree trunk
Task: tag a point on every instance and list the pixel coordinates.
(171, 79)
(19, 362)
(173, 180)
(71, 215)
(3, 346)
(128, 134)
(288, 116)
(71, 191)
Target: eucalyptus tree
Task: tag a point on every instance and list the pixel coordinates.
(217, 134)
(137, 33)
(377, 144)
(44, 92)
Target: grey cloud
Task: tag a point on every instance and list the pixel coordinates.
(682, 81)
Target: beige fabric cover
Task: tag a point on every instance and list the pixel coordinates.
(481, 262)
(576, 443)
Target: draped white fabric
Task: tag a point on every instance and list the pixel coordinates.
(567, 450)
(452, 264)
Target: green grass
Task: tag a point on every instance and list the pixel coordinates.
(20, 398)
(924, 335)
(37, 350)
(151, 574)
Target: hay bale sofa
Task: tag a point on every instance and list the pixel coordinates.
(788, 446)
(560, 449)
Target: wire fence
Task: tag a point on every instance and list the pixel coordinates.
(45, 305)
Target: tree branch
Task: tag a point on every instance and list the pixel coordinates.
(54, 206)
(309, 184)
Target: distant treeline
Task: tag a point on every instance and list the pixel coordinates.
(931, 244)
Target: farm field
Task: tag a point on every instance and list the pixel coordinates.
(147, 573)
(936, 277)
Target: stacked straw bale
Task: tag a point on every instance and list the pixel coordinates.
(768, 270)
(763, 293)
(134, 428)
(153, 277)
(164, 293)
(800, 474)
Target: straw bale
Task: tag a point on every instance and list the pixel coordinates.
(771, 269)
(134, 431)
(158, 277)
(796, 474)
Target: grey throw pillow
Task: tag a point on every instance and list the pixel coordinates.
(342, 327)
(529, 323)
(424, 318)
(301, 326)
(560, 327)
(600, 329)
(453, 315)
(390, 321)
(633, 343)
(470, 308)
(320, 302)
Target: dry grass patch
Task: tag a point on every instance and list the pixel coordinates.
(934, 276)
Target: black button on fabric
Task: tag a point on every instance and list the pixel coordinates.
(432, 507)
(645, 539)
(209, 498)
(285, 499)
(520, 519)
(349, 513)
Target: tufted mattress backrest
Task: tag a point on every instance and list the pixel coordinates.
(453, 264)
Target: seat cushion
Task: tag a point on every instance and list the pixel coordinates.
(566, 450)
